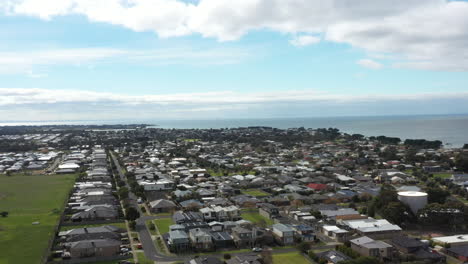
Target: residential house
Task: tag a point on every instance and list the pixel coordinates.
(334, 232)
(243, 237)
(268, 210)
(303, 233)
(96, 213)
(245, 259)
(93, 248)
(332, 256)
(459, 252)
(283, 234)
(369, 247)
(162, 205)
(178, 241)
(200, 239)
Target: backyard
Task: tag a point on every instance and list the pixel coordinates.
(289, 258)
(256, 218)
(255, 192)
(30, 199)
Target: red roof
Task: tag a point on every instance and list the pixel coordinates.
(317, 186)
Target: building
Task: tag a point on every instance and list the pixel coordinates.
(162, 205)
(93, 248)
(268, 210)
(456, 240)
(178, 241)
(415, 200)
(376, 229)
(336, 233)
(283, 234)
(369, 247)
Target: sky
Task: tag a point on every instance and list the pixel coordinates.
(211, 59)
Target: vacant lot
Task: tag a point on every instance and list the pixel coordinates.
(443, 175)
(163, 225)
(256, 218)
(255, 192)
(289, 258)
(30, 199)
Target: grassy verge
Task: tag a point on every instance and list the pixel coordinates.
(30, 199)
(142, 258)
(163, 225)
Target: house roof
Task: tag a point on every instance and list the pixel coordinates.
(162, 203)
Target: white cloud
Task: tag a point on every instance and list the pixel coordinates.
(428, 34)
(20, 96)
(304, 40)
(25, 62)
(46, 104)
(371, 64)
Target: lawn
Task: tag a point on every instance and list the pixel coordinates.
(443, 175)
(255, 217)
(30, 199)
(163, 225)
(255, 192)
(142, 258)
(289, 258)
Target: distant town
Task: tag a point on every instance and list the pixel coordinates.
(247, 195)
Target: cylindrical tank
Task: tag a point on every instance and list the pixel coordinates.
(415, 200)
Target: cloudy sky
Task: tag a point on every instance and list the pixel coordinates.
(202, 59)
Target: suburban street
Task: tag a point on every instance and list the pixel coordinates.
(147, 242)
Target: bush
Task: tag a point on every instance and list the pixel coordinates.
(132, 225)
(4, 214)
(227, 256)
(152, 227)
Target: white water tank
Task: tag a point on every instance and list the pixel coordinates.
(415, 200)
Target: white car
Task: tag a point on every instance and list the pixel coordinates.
(257, 249)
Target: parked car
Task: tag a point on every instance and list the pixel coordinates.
(257, 249)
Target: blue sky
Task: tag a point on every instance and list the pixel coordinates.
(169, 59)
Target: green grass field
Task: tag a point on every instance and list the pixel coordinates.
(142, 258)
(256, 218)
(255, 192)
(443, 175)
(163, 224)
(289, 258)
(30, 199)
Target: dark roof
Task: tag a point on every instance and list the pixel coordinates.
(459, 250)
(407, 242)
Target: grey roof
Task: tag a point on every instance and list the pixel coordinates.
(162, 203)
(282, 228)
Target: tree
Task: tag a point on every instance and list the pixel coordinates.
(123, 193)
(267, 257)
(4, 214)
(132, 214)
(437, 195)
(396, 212)
(303, 247)
(227, 256)
(132, 225)
(461, 161)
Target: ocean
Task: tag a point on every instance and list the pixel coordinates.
(452, 130)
